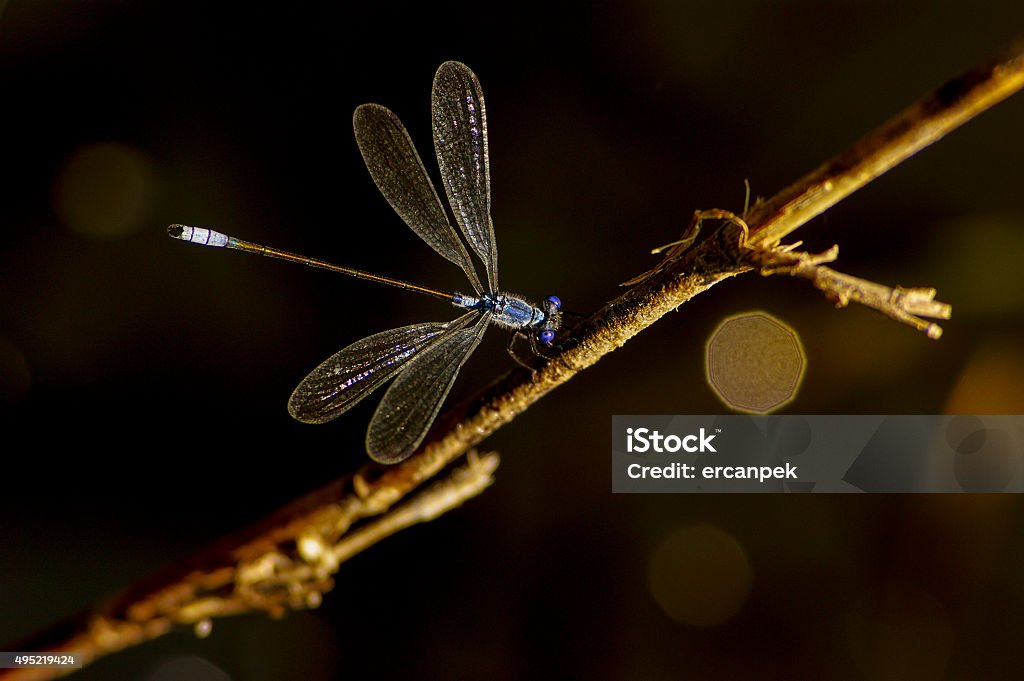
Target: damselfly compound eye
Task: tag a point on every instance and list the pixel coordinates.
(546, 337)
(556, 301)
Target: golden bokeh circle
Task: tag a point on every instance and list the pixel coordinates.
(104, 190)
(699, 575)
(755, 362)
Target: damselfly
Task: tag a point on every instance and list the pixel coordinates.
(424, 359)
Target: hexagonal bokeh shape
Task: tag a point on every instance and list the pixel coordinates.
(755, 362)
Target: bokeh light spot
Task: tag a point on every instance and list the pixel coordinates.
(190, 667)
(15, 376)
(987, 248)
(699, 575)
(900, 632)
(991, 383)
(987, 458)
(203, 628)
(965, 434)
(755, 362)
(104, 190)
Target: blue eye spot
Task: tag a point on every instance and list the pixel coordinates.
(546, 337)
(554, 300)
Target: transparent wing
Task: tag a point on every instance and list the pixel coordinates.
(460, 140)
(399, 174)
(354, 372)
(410, 405)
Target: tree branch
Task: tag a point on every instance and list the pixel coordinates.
(288, 559)
(910, 131)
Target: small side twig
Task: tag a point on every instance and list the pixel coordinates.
(906, 305)
(285, 563)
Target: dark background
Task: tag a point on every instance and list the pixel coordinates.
(143, 381)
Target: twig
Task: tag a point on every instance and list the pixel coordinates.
(245, 572)
(906, 305)
(287, 562)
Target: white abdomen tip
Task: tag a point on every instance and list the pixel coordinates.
(198, 235)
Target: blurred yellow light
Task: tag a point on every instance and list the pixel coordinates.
(203, 628)
(699, 575)
(899, 631)
(192, 667)
(755, 362)
(15, 376)
(104, 190)
(991, 383)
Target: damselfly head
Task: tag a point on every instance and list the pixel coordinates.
(552, 319)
